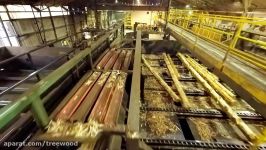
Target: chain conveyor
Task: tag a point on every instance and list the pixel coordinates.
(165, 124)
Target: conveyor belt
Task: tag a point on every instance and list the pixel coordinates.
(205, 113)
(176, 144)
(156, 102)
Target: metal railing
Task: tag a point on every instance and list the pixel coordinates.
(36, 72)
(225, 31)
(33, 50)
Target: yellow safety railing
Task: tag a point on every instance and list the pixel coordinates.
(232, 33)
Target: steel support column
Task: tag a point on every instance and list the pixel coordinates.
(39, 111)
(97, 16)
(43, 30)
(52, 21)
(65, 23)
(134, 105)
(38, 27)
(74, 24)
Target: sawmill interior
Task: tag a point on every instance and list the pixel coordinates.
(132, 74)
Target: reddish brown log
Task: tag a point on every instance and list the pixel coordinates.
(127, 61)
(105, 59)
(112, 60)
(86, 106)
(115, 104)
(119, 60)
(77, 98)
(101, 106)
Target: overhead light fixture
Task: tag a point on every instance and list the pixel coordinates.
(187, 6)
(116, 1)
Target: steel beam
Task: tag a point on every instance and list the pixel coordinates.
(37, 25)
(52, 21)
(66, 25)
(134, 104)
(73, 21)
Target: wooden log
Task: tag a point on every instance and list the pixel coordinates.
(105, 59)
(210, 75)
(119, 60)
(116, 101)
(172, 64)
(101, 106)
(161, 81)
(225, 107)
(223, 91)
(204, 69)
(112, 60)
(69, 109)
(184, 100)
(87, 105)
(127, 60)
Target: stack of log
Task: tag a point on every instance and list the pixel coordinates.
(97, 101)
(116, 59)
(219, 99)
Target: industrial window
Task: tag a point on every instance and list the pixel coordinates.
(8, 35)
(7, 32)
(20, 11)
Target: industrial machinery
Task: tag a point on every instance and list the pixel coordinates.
(133, 98)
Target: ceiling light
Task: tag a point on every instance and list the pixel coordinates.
(187, 6)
